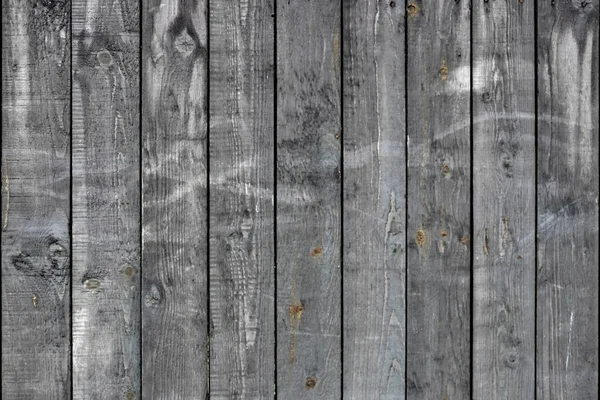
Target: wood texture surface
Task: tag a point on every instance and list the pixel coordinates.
(242, 341)
(35, 214)
(174, 200)
(106, 209)
(374, 200)
(567, 190)
(504, 200)
(308, 200)
(439, 203)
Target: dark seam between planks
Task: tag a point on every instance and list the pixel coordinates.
(535, 204)
(342, 199)
(141, 183)
(405, 202)
(274, 11)
(70, 196)
(208, 320)
(471, 221)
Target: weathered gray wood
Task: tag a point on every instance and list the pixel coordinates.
(438, 235)
(308, 200)
(503, 200)
(174, 199)
(241, 138)
(106, 238)
(567, 302)
(374, 200)
(35, 200)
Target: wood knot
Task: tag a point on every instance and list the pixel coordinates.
(464, 240)
(316, 252)
(443, 233)
(129, 271)
(310, 383)
(92, 284)
(104, 58)
(412, 10)
(445, 169)
(130, 396)
(444, 70)
(185, 44)
(153, 298)
(295, 311)
(420, 237)
(392, 4)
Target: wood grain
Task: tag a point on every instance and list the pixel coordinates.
(374, 200)
(35, 200)
(567, 292)
(106, 217)
(438, 234)
(242, 341)
(504, 200)
(308, 200)
(174, 200)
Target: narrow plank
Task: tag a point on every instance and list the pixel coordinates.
(503, 200)
(567, 292)
(308, 200)
(374, 200)
(242, 340)
(106, 217)
(35, 171)
(174, 199)
(438, 174)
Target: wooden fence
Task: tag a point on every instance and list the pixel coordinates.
(242, 199)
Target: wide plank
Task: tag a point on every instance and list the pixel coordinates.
(36, 212)
(439, 202)
(106, 201)
(567, 220)
(174, 199)
(374, 251)
(308, 202)
(504, 200)
(241, 148)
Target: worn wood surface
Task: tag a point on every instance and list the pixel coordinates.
(302, 199)
(567, 190)
(503, 200)
(374, 200)
(242, 339)
(35, 200)
(106, 210)
(438, 220)
(308, 200)
(174, 199)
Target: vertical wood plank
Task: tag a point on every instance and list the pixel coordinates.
(438, 129)
(174, 199)
(504, 199)
(567, 302)
(308, 199)
(242, 341)
(374, 200)
(35, 200)
(106, 245)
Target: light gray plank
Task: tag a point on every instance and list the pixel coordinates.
(438, 235)
(567, 292)
(504, 200)
(106, 238)
(174, 200)
(242, 341)
(374, 200)
(308, 200)
(35, 200)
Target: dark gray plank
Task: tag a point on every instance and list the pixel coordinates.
(503, 200)
(242, 341)
(35, 200)
(106, 245)
(567, 292)
(438, 235)
(374, 200)
(308, 200)
(174, 199)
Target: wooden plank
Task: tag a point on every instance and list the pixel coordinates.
(503, 200)
(174, 199)
(567, 292)
(35, 200)
(242, 341)
(106, 217)
(438, 235)
(308, 200)
(374, 200)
